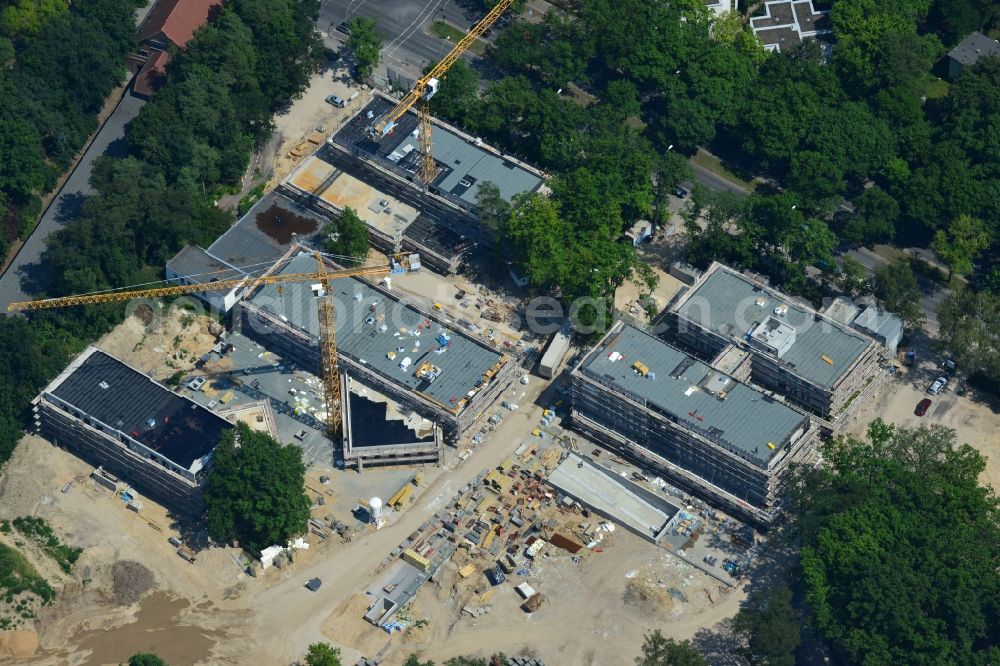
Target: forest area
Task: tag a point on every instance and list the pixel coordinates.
(187, 143)
(58, 63)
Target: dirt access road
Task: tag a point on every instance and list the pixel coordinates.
(301, 613)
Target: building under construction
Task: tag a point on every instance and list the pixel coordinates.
(377, 178)
(789, 348)
(710, 434)
(413, 357)
(377, 433)
(111, 414)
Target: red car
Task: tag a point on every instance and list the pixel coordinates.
(922, 407)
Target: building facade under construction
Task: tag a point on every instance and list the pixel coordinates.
(809, 358)
(376, 433)
(378, 179)
(713, 436)
(112, 415)
(413, 357)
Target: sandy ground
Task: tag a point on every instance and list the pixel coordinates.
(627, 295)
(181, 620)
(309, 112)
(631, 579)
(168, 342)
(975, 419)
(211, 613)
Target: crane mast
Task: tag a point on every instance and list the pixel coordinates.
(321, 279)
(424, 89)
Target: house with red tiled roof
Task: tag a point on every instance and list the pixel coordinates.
(171, 23)
(152, 75)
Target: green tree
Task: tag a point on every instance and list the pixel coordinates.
(413, 660)
(538, 237)
(145, 659)
(254, 492)
(891, 576)
(366, 43)
(852, 279)
(970, 330)
(457, 93)
(896, 286)
(961, 243)
(22, 18)
(769, 626)
(657, 650)
(815, 176)
(493, 210)
(875, 219)
(347, 236)
(322, 654)
(22, 169)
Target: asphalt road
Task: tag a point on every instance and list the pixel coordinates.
(403, 25)
(715, 182)
(25, 272)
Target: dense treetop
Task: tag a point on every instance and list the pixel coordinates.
(901, 548)
(255, 490)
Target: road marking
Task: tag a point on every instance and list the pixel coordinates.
(408, 31)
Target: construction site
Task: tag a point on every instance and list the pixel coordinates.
(518, 542)
(116, 417)
(490, 519)
(717, 437)
(412, 356)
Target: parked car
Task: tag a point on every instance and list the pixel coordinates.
(343, 28)
(680, 193)
(338, 102)
(922, 407)
(937, 386)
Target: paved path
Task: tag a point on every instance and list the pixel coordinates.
(25, 275)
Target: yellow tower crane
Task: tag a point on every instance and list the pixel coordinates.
(321, 288)
(424, 89)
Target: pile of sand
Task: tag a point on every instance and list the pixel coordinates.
(18, 644)
(347, 626)
(648, 596)
(130, 581)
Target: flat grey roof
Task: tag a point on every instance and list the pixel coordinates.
(266, 233)
(610, 495)
(880, 322)
(474, 165)
(408, 334)
(199, 266)
(460, 158)
(975, 46)
(742, 419)
(104, 388)
(726, 302)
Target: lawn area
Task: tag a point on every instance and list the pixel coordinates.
(452, 34)
(936, 88)
(713, 164)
